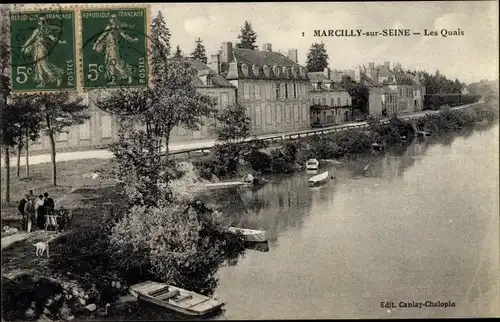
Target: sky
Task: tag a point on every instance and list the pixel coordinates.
(471, 57)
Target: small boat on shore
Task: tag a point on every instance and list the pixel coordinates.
(312, 164)
(227, 184)
(253, 182)
(175, 298)
(251, 235)
(318, 179)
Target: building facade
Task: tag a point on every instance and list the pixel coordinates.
(330, 103)
(102, 128)
(272, 87)
(409, 87)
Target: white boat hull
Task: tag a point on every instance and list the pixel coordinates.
(312, 164)
(318, 179)
(251, 235)
(186, 302)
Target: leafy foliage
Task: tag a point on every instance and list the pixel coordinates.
(247, 37)
(182, 244)
(358, 92)
(199, 52)
(317, 58)
(232, 124)
(140, 166)
(178, 53)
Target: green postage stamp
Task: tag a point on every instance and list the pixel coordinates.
(43, 51)
(114, 47)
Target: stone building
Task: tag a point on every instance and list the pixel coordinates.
(273, 87)
(409, 88)
(375, 92)
(330, 103)
(102, 128)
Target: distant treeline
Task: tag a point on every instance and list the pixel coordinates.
(435, 101)
(438, 83)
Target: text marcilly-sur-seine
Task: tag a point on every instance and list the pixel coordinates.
(386, 33)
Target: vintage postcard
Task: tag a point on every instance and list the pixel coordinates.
(250, 161)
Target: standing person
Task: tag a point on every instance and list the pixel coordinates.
(30, 211)
(22, 203)
(49, 205)
(40, 212)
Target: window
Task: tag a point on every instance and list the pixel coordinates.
(62, 137)
(294, 90)
(209, 80)
(84, 130)
(246, 91)
(277, 90)
(257, 91)
(269, 116)
(286, 90)
(287, 114)
(338, 101)
(324, 101)
(257, 115)
(224, 100)
(346, 101)
(313, 101)
(283, 91)
(332, 102)
(278, 115)
(296, 110)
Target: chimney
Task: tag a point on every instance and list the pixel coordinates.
(215, 63)
(387, 65)
(326, 72)
(357, 74)
(227, 52)
(292, 55)
(267, 47)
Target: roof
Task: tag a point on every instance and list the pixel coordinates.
(369, 82)
(249, 63)
(318, 77)
(204, 70)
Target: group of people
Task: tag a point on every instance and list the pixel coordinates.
(38, 210)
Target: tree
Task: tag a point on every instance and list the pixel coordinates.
(317, 58)
(57, 112)
(10, 132)
(359, 93)
(178, 52)
(199, 52)
(248, 37)
(160, 40)
(232, 124)
(173, 99)
(30, 122)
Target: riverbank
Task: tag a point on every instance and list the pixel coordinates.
(82, 251)
(228, 161)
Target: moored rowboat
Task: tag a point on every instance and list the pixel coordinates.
(312, 164)
(318, 179)
(251, 235)
(175, 298)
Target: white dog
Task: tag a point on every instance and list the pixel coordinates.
(41, 247)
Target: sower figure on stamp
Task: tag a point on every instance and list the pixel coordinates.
(37, 46)
(108, 42)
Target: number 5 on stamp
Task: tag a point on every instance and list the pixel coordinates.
(114, 47)
(43, 51)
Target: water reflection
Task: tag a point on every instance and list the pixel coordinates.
(416, 224)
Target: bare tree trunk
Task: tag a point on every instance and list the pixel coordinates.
(53, 159)
(7, 174)
(27, 154)
(18, 166)
(167, 141)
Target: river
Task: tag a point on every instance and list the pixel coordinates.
(420, 224)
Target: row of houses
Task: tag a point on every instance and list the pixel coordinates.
(279, 94)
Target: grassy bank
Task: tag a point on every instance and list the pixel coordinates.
(232, 160)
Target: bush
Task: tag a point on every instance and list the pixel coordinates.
(259, 161)
(226, 159)
(181, 244)
(281, 162)
(326, 147)
(353, 141)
